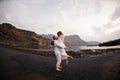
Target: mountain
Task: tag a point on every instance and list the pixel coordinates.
(11, 35)
(111, 43)
(49, 36)
(71, 40)
(92, 43)
(74, 40)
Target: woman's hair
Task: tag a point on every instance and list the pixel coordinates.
(59, 33)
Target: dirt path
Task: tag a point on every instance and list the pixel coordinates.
(16, 65)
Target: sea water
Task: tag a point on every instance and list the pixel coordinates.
(97, 47)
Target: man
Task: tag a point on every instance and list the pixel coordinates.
(57, 50)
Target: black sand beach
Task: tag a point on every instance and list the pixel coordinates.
(17, 65)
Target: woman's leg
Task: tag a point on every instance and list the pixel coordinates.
(67, 61)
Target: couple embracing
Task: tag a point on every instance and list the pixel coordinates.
(59, 50)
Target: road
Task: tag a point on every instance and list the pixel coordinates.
(17, 65)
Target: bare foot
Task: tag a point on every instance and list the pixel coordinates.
(60, 67)
(71, 57)
(57, 69)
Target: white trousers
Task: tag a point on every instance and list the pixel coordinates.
(58, 56)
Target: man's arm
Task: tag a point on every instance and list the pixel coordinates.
(59, 45)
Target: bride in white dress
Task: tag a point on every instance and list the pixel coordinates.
(64, 55)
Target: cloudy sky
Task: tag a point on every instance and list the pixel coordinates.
(97, 20)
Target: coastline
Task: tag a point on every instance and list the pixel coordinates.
(48, 52)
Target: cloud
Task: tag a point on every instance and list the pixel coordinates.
(116, 14)
(109, 31)
(90, 19)
(24, 13)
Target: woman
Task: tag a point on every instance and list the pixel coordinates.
(64, 55)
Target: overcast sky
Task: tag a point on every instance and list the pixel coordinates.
(97, 20)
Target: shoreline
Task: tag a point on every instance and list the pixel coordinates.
(77, 54)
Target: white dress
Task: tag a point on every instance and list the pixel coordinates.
(63, 52)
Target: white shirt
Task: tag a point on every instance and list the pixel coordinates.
(57, 47)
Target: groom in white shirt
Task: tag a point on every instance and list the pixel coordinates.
(57, 50)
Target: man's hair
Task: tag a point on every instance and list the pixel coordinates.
(54, 37)
(52, 43)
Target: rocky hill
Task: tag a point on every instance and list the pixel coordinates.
(9, 34)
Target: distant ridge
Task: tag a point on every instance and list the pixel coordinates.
(47, 35)
(9, 34)
(73, 40)
(111, 43)
(93, 43)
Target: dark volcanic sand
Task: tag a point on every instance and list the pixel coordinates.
(16, 65)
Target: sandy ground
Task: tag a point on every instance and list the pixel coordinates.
(16, 65)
